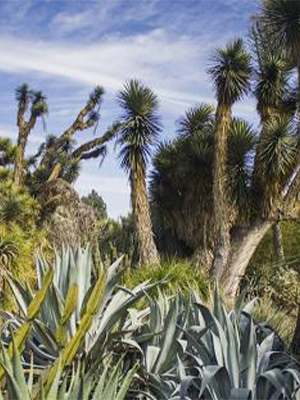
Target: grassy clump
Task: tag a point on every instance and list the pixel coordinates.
(278, 319)
(177, 275)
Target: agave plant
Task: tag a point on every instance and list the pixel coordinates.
(8, 252)
(79, 310)
(79, 384)
(190, 352)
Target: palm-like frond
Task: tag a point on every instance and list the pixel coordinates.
(22, 94)
(181, 180)
(272, 81)
(71, 171)
(140, 124)
(281, 18)
(96, 95)
(279, 149)
(241, 149)
(39, 103)
(230, 72)
(12, 210)
(195, 120)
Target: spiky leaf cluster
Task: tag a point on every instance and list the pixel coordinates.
(230, 72)
(140, 125)
(281, 18)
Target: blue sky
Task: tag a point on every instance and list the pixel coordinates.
(67, 47)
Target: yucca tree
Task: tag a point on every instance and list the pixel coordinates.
(182, 183)
(140, 128)
(39, 108)
(230, 73)
(181, 187)
(281, 19)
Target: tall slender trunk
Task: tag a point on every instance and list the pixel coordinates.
(19, 161)
(295, 345)
(244, 244)
(221, 206)
(147, 251)
(277, 242)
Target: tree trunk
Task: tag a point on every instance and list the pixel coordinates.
(55, 172)
(203, 259)
(19, 161)
(221, 206)
(295, 345)
(244, 244)
(277, 242)
(147, 251)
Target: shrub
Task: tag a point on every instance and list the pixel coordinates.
(175, 275)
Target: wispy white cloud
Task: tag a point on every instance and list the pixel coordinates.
(170, 65)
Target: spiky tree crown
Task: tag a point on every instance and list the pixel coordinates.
(281, 18)
(39, 103)
(230, 72)
(196, 120)
(272, 80)
(23, 93)
(140, 124)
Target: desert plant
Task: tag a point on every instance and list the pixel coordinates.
(80, 311)
(78, 384)
(190, 352)
(176, 275)
(139, 130)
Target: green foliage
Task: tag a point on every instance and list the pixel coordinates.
(8, 152)
(190, 352)
(281, 18)
(20, 234)
(230, 72)
(276, 316)
(181, 206)
(17, 206)
(280, 150)
(117, 238)
(184, 349)
(279, 280)
(66, 324)
(140, 125)
(96, 201)
(39, 103)
(8, 253)
(80, 384)
(176, 275)
(241, 148)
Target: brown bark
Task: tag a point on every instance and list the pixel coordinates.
(203, 259)
(244, 244)
(24, 132)
(277, 242)
(147, 251)
(55, 172)
(221, 205)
